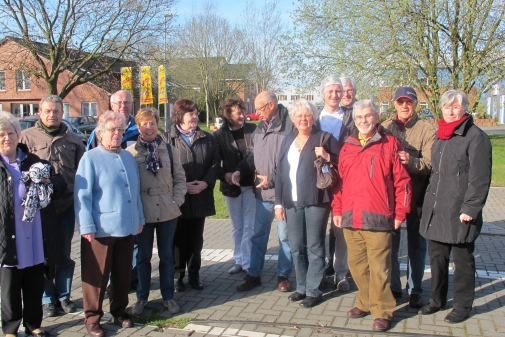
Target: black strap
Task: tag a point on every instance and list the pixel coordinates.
(169, 148)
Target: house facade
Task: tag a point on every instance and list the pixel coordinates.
(495, 101)
(286, 97)
(21, 91)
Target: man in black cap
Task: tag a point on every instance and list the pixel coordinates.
(417, 138)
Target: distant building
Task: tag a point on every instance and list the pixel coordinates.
(495, 101)
(288, 96)
(21, 91)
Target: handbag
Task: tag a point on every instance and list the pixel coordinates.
(327, 173)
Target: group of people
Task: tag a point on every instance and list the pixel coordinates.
(129, 182)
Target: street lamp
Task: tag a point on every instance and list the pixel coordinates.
(168, 15)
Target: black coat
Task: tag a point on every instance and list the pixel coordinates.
(200, 162)
(459, 183)
(231, 157)
(50, 231)
(306, 174)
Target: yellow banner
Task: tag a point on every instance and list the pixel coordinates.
(161, 85)
(146, 87)
(127, 80)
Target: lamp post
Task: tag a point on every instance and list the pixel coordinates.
(168, 15)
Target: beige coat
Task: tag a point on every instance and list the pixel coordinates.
(160, 194)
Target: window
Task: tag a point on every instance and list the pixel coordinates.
(295, 97)
(2, 80)
(88, 109)
(22, 80)
(21, 110)
(309, 97)
(423, 105)
(384, 107)
(283, 97)
(66, 110)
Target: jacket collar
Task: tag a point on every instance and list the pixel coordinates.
(174, 133)
(460, 129)
(378, 135)
(277, 122)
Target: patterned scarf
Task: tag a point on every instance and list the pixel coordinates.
(38, 194)
(446, 130)
(153, 154)
(189, 133)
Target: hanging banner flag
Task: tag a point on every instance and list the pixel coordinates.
(161, 85)
(127, 80)
(146, 87)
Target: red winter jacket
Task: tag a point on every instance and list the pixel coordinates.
(374, 189)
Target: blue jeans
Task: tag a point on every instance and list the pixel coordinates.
(416, 247)
(259, 241)
(59, 288)
(165, 232)
(307, 231)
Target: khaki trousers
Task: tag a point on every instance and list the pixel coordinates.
(369, 257)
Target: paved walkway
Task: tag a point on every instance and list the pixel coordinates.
(219, 310)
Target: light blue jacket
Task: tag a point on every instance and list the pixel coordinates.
(107, 194)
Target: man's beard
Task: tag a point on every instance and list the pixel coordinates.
(367, 130)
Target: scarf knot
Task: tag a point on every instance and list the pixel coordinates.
(190, 134)
(445, 130)
(38, 194)
(153, 153)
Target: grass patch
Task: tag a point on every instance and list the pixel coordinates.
(498, 175)
(162, 322)
(221, 210)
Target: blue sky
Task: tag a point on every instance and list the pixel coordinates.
(229, 9)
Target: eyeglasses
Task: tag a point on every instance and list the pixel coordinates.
(405, 101)
(148, 125)
(262, 108)
(303, 116)
(125, 103)
(193, 114)
(114, 130)
(7, 134)
(360, 118)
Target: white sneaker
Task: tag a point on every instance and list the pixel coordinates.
(172, 307)
(236, 268)
(138, 307)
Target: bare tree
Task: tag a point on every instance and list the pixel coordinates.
(430, 44)
(86, 37)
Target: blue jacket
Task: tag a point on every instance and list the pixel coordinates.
(107, 194)
(131, 134)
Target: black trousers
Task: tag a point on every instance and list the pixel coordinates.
(30, 283)
(188, 244)
(463, 283)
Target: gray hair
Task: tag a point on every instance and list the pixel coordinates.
(108, 116)
(306, 105)
(347, 80)
(120, 91)
(454, 95)
(364, 104)
(330, 80)
(7, 119)
(52, 99)
(270, 97)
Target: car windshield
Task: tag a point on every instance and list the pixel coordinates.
(26, 124)
(74, 120)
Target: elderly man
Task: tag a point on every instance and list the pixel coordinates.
(262, 157)
(50, 139)
(337, 120)
(417, 138)
(348, 95)
(371, 200)
(121, 101)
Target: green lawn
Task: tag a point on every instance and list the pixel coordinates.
(498, 175)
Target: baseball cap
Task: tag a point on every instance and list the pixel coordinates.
(407, 92)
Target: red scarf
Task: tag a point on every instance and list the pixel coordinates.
(445, 130)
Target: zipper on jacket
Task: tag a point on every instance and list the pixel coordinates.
(387, 197)
(371, 167)
(438, 182)
(406, 195)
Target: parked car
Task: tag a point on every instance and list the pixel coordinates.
(28, 122)
(84, 123)
(426, 112)
(252, 117)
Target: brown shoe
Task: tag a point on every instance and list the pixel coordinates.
(381, 324)
(95, 329)
(283, 284)
(356, 313)
(124, 322)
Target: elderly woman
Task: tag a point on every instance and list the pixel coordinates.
(298, 200)
(29, 235)
(162, 190)
(233, 139)
(109, 212)
(198, 153)
(452, 210)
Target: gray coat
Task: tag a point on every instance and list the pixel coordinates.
(263, 153)
(459, 183)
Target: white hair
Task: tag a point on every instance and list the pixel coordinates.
(305, 105)
(107, 116)
(364, 104)
(348, 80)
(454, 95)
(330, 80)
(7, 119)
(120, 91)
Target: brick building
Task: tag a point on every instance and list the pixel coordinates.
(21, 91)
